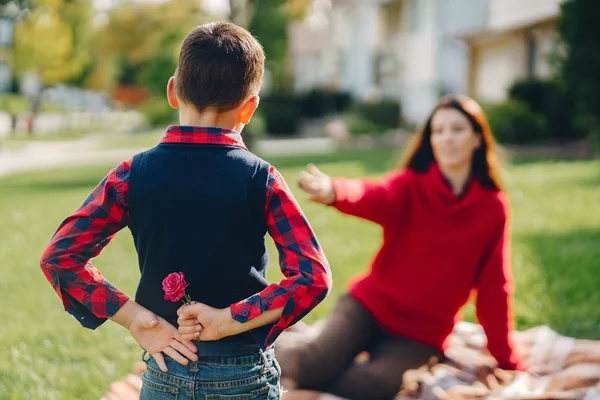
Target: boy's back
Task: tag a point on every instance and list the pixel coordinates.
(201, 204)
(198, 207)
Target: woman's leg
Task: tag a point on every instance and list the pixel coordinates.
(316, 364)
(380, 378)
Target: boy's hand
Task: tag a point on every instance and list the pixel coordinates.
(157, 336)
(317, 184)
(199, 321)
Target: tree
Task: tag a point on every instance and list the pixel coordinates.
(243, 11)
(15, 9)
(268, 21)
(141, 41)
(50, 43)
(240, 12)
(580, 32)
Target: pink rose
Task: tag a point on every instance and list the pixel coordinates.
(174, 286)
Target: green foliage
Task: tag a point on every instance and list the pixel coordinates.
(46, 354)
(157, 70)
(269, 25)
(143, 41)
(579, 31)
(52, 40)
(254, 130)
(319, 102)
(385, 114)
(268, 21)
(15, 9)
(514, 122)
(257, 125)
(552, 100)
(155, 74)
(360, 125)
(158, 112)
(281, 114)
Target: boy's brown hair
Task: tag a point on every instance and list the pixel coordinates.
(220, 65)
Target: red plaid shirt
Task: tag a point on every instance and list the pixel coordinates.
(91, 298)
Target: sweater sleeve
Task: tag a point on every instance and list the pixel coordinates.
(371, 199)
(494, 298)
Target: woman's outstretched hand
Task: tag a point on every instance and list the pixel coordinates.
(317, 185)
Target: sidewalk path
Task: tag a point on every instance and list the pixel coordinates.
(40, 155)
(50, 155)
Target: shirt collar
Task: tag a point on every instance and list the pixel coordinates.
(202, 135)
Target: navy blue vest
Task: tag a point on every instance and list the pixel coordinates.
(200, 209)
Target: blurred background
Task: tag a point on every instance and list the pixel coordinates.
(82, 87)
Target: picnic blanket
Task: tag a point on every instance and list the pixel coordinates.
(561, 368)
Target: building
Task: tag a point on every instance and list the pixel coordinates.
(516, 43)
(417, 50)
(399, 49)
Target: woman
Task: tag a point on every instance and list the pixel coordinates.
(444, 216)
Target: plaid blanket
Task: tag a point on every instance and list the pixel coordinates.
(561, 368)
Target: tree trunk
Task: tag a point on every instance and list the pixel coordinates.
(35, 102)
(241, 12)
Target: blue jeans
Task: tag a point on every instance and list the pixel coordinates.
(247, 377)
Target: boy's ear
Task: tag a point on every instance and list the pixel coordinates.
(171, 93)
(248, 108)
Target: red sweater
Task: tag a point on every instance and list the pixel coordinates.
(436, 249)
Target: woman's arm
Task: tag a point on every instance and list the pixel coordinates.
(375, 200)
(494, 298)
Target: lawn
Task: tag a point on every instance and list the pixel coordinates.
(45, 354)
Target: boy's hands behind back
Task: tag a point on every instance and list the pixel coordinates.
(157, 336)
(201, 322)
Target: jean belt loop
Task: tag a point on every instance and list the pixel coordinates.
(264, 361)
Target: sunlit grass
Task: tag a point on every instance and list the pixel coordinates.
(46, 354)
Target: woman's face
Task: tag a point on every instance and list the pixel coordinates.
(453, 139)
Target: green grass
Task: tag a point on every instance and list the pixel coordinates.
(46, 354)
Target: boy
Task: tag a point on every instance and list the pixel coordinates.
(201, 204)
